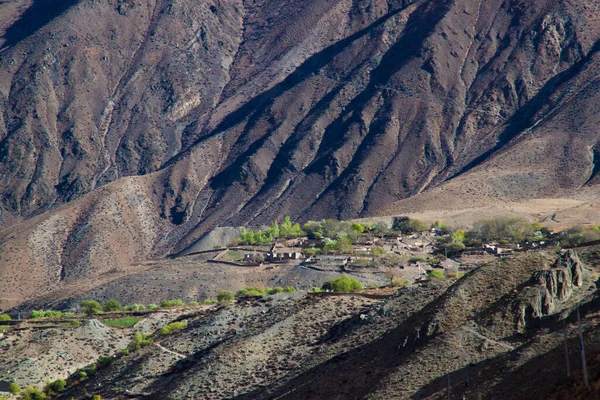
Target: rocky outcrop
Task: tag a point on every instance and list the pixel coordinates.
(550, 288)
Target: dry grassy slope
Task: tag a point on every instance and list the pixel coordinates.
(240, 112)
(302, 348)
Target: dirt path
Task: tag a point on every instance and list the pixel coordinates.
(178, 355)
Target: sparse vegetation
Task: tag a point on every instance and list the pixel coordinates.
(503, 228)
(50, 314)
(171, 303)
(32, 393)
(400, 282)
(134, 307)
(580, 234)
(172, 327)
(55, 387)
(103, 361)
(290, 289)
(225, 296)
(342, 284)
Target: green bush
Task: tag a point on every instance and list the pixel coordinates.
(377, 251)
(275, 290)
(580, 234)
(103, 361)
(225, 296)
(171, 303)
(91, 370)
(97, 397)
(139, 340)
(14, 388)
(55, 387)
(343, 284)
(290, 289)
(454, 248)
(172, 327)
(32, 393)
(152, 306)
(400, 283)
(503, 228)
(210, 301)
(193, 303)
(134, 307)
(436, 274)
(82, 374)
(111, 305)
(251, 291)
(4, 317)
(90, 307)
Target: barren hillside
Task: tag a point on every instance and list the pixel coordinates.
(128, 129)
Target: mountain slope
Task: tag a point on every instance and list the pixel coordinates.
(238, 112)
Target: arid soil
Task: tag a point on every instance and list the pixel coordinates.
(130, 130)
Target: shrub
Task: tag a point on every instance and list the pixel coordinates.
(91, 370)
(103, 361)
(436, 274)
(127, 322)
(4, 317)
(111, 305)
(171, 303)
(455, 275)
(250, 291)
(225, 296)
(210, 301)
(32, 393)
(90, 307)
(139, 340)
(55, 387)
(275, 290)
(193, 303)
(290, 289)
(50, 314)
(134, 307)
(358, 227)
(97, 397)
(14, 388)
(172, 327)
(152, 306)
(440, 227)
(82, 374)
(400, 283)
(343, 284)
(458, 236)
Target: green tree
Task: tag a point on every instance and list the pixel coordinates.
(275, 229)
(4, 317)
(358, 227)
(112, 305)
(286, 226)
(90, 307)
(458, 236)
(225, 296)
(407, 225)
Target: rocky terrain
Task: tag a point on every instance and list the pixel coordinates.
(130, 130)
(481, 336)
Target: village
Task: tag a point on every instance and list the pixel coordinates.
(407, 252)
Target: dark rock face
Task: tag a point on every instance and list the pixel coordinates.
(551, 287)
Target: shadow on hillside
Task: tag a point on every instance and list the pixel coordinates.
(40, 13)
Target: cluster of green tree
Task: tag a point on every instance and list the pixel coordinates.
(509, 229)
(50, 314)
(580, 234)
(257, 291)
(286, 229)
(343, 284)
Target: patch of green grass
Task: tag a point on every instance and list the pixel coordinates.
(71, 325)
(172, 327)
(127, 322)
